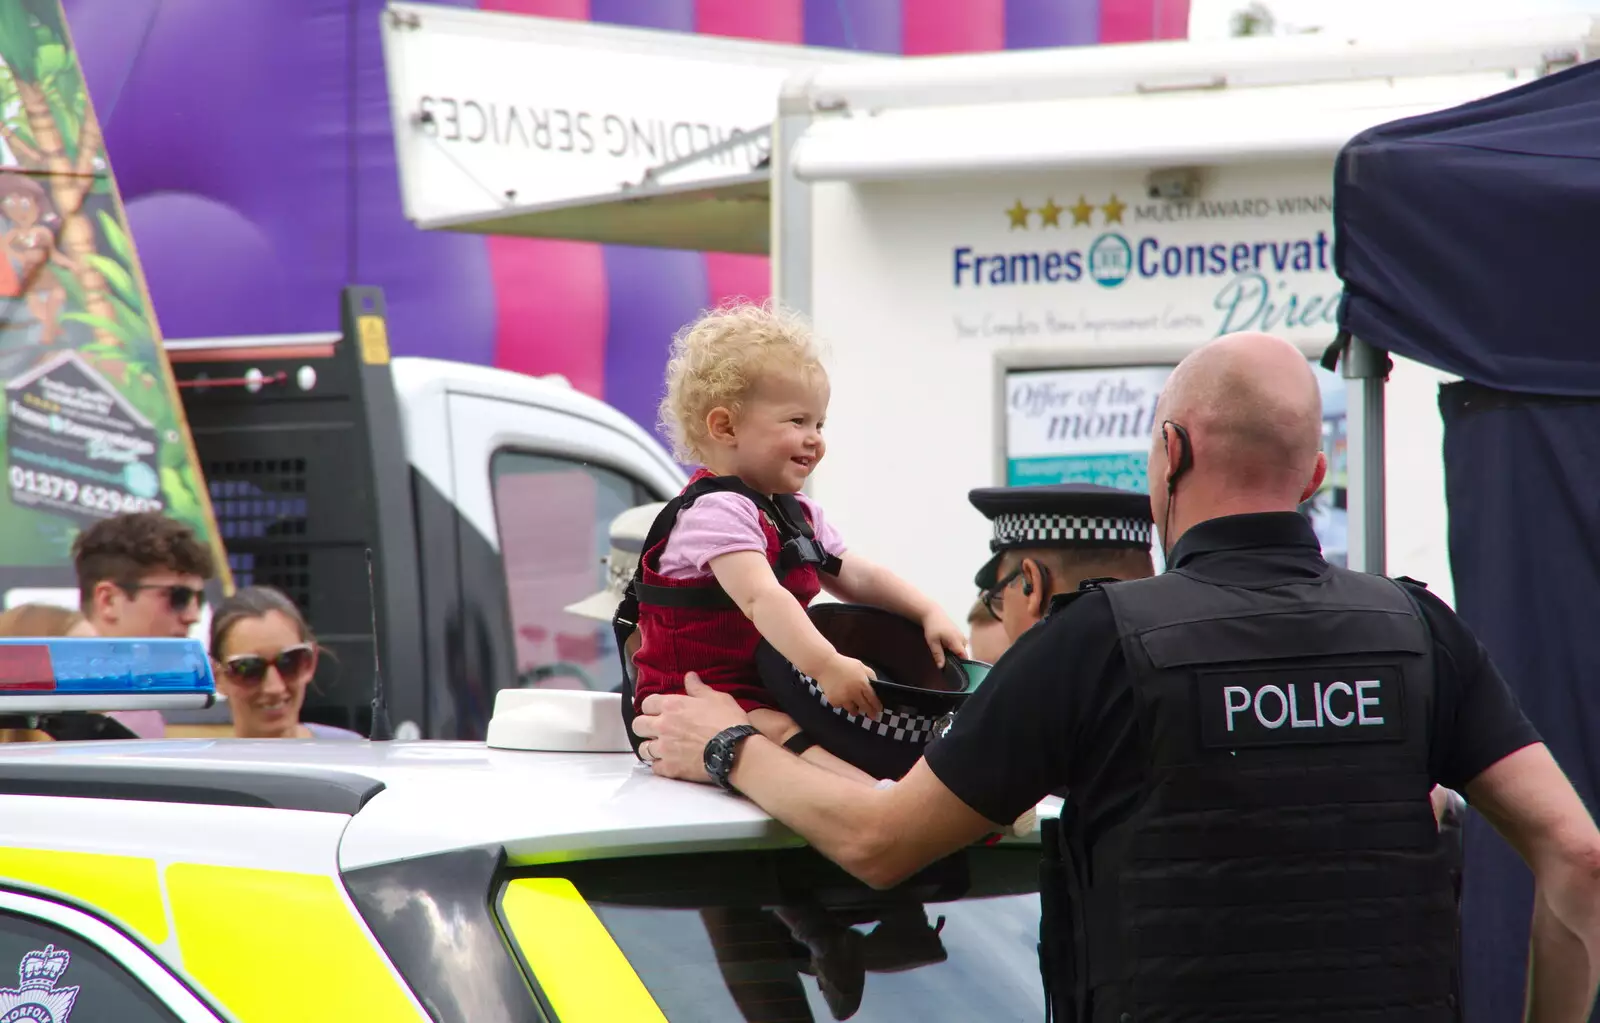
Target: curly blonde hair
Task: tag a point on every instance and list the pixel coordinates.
(720, 358)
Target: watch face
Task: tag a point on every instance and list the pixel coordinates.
(719, 754)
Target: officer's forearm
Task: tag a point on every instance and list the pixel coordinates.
(1562, 970)
(882, 836)
(840, 818)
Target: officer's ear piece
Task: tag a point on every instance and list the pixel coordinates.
(1044, 578)
(1185, 460)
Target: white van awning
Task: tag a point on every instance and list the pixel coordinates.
(1194, 127)
(726, 214)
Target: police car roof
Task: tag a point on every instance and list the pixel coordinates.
(413, 798)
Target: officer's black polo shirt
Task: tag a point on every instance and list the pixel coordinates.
(1057, 710)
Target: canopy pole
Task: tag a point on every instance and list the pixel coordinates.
(1369, 367)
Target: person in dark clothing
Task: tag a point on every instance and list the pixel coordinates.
(1249, 739)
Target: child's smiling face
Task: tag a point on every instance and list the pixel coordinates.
(776, 438)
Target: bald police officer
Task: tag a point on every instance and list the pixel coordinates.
(1250, 739)
(1048, 539)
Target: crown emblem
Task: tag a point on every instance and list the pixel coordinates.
(37, 998)
(42, 969)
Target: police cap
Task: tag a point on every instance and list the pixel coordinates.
(1071, 515)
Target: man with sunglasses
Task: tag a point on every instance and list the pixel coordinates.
(1048, 539)
(141, 575)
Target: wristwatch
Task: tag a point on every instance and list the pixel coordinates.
(720, 752)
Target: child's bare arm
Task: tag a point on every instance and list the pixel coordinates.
(777, 615)
(747, 577)
(861, 581)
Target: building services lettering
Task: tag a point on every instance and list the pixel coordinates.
(1260, 708)
(581, 132)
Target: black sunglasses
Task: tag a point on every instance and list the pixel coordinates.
(292, 662)
(179, 596)
(995, 595)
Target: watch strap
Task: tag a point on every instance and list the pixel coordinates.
(798, 743)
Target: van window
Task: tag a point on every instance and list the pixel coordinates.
(785, 935)
(55, 974)
(554, 516)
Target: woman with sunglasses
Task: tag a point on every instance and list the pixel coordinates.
(264, 656)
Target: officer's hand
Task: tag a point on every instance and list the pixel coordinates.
(943, 634)
(847, 683)
(677, 728)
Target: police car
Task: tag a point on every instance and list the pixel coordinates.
(545, 875)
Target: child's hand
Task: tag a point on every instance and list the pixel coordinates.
(942, 634)
(847, 683)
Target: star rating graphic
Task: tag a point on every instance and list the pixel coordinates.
(1019, 216)
(1111, 212)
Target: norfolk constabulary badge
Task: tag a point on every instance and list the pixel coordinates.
(38, 1000)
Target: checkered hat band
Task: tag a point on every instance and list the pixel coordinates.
(891, 725)
(1033, 527)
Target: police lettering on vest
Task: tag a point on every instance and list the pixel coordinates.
(1270, 707)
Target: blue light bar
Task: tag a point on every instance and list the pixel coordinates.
(48, 675)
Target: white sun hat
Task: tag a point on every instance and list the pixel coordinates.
(628, 532)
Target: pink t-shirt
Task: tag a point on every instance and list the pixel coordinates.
(722, 523)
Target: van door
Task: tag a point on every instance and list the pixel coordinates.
(535, 490)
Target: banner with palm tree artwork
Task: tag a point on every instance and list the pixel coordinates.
(93, 423)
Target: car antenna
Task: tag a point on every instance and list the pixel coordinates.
(380, 707)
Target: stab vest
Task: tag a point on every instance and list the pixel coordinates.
(692, 624)
(1282, 862)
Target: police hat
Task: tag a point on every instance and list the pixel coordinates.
(917, 695)
(1072, 515)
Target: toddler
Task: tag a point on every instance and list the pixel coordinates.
(747, 397)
